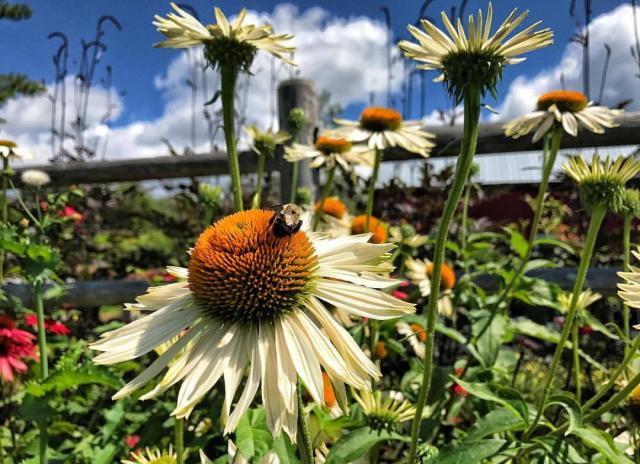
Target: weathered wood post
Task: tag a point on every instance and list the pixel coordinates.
(297, 93)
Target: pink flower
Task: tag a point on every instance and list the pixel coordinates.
(31, 320)
(132, 440)
(559, 321)
(460, 390)
(585, 330)
(69, 212)
(58, 328)
(400, 295)
(44, 206)
(15, 345)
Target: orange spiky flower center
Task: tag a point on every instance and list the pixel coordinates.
(241, 272)
(377, 228)
(329, 394)
(7, 143)
(381, 350)
(378, 119)
(419, 331)
(565, 100)
(333, 207)
(447, 276)
(328, 145)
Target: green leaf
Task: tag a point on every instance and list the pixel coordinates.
(496, 421)
(285, 450)
(556, 243)
(519, 243)
(468, 452)
(569, 403)
(34, 409)
(253, 437)
(561, 450)
(452, 333)
(356, 443)
(489, 343)
(513, 401)
(86, 375)
(603, 443)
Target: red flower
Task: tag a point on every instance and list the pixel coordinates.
(69, 212)
(132, 440)
(400, 295)
(169, 278)
(459, 371)
(460, 390)
(585, 330)
(31, 320)
(44, 206)
(15, 345)
(58, 328)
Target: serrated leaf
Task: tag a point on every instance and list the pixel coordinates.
(357, 442)
(34, 409)
(468, 452)
(253, 437)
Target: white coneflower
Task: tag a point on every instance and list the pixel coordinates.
(329, 152)
(35, 178)
(419, 273)
(475, 59)
(602, 182)
(224, 43)
(415, 334)
(384, 411)
(152, 456)
(568, 109)
(629, 291)
(335, 220)
(9, 149)
(382, 128)
(255, 293)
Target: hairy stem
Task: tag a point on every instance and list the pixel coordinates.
(44, 364)
(325, 193)
(228, 76)
(463, 165)
(304, 439)
(257, 198)
(597, 215)
(372, 189)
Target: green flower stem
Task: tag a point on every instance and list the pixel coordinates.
(626, 312)
(44, 364)
(614, 400)
(4, 207)
(551, 147)
(304, 439)
(257, 198)
(464, 226)
(178, 433)
(372, 188)
(228, 76)
(294, 182)
(463, 165)
(325, 193)
(612, 380)
(575, 348)
(597, 215)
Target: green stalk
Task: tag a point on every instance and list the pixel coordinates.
(257, 198)
(304, 439)
(228, 76)
(626, 313)
(612, 380)
(294, 182)
(325, 193)
(463, 165)
(178, 433)
(4, 207)
(597, 216)
(372, 188)
(575, 348)
(551, 146)
(44, 364)
(463, 225)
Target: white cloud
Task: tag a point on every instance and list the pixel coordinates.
(615, 29)
(343, 56)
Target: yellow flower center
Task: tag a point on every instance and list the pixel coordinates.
(379, 231)
(242, 272)
(163, 460)
(333, 207)
(447, 276)
(377, 119)
(565, 100)
(7, 143)
(329, 145)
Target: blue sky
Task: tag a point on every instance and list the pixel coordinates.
(138, 66)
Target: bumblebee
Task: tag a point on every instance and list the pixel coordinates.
(286, 221)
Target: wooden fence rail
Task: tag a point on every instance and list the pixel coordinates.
(491, 140)
(113, 292)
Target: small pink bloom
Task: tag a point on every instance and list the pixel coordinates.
(559, 321)
(169, 278)
(31, 320)
(44, 206)
(58, 328)
(400, 295)
(460, 390)
(15, 345)
(132, 440)
(69, 212)
(585, 330)
(459, 371)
